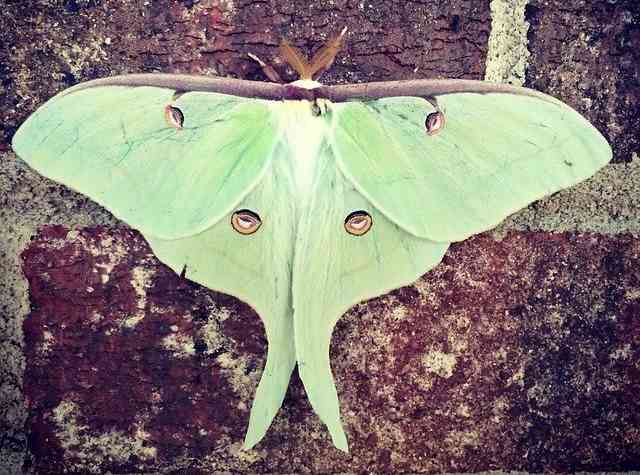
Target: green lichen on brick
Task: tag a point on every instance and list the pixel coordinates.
(508, 53)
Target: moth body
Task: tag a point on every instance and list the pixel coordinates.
(304, 134)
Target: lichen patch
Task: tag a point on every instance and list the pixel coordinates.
(47, 342)
(211, 335)
(90, 448)
(236, 369)
(623, 352)
(140, 281)
(78, 56)
(115, 254)
(457, 441)
(228, 8)
(180, 344)
(250, 456)
(440, 363)
(508, 54)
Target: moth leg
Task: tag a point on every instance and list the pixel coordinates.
(267, 69)
(320, 106)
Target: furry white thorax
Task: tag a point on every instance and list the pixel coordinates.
(304, 133)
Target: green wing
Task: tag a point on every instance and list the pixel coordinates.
(114, 145)
(178, 187)
(333, 270)
(496, 154)
(255, 268)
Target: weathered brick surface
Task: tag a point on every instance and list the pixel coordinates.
(121, 353)
(520, 354)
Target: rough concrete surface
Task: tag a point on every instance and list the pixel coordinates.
(519, 352)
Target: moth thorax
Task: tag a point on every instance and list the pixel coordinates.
(305, 135)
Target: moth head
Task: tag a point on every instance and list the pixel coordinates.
(358, 223)
(245, 221)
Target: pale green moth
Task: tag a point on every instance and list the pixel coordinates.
(303, 199)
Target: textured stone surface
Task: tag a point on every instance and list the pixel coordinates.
(520, 354)
(125, 366)
(48, 45)
(508, 53)
(26, 202)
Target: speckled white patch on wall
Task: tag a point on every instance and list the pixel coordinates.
(115, 253)
(141, 277)
(439, 363)
(95, 316)
(621, 353)
(212, 336)
(428, 290)
(180, 344)
(90, 449)
(228, 8)
(235, 368)
(236, 375)
(397, 310)
(500, 410)
(458, 440)
(399, 313)
(60, 243)
(632, 294)
(518, 376)
(76, 56)
(250, 456)
(507, 53)
(47, 342)
(463, 410)
(388, 431)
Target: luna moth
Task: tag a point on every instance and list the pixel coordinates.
(304, 199)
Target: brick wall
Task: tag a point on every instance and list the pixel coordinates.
(518, 352)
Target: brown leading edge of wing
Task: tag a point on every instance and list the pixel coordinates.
(337, 93)
(191, 83)
(421, 88)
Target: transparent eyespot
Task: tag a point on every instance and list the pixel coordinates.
(434, 123)
(358, 223)
(245, 221)
(174, 116)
